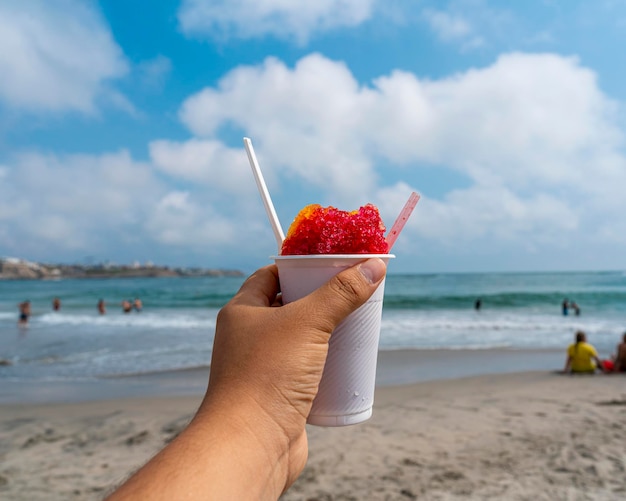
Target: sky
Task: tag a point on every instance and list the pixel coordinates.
(121, 127)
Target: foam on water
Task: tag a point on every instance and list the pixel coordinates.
(450, 329)
(175, 329)
(157, 320)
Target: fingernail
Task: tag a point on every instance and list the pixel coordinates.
(373, 270)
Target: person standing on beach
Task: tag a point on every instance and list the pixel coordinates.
(25, 312)
(102, 307)
(248, 439)
(582, 358)
(620, 358)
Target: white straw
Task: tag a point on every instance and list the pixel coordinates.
(265, 195)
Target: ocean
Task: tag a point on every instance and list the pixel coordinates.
(174, 331)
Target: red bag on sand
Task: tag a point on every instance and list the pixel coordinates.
(608, 365)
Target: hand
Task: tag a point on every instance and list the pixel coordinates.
(273, 358)
(248, 438)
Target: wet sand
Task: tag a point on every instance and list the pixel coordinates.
(395, 367)
(521, 436)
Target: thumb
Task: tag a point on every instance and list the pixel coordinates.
(344, 293)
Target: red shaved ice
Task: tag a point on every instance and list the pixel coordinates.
(327, 230)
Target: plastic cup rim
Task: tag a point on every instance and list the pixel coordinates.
(333, 256)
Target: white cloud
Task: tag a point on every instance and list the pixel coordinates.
(153, 72)
(306, 120)
(526, 118)
(447, 26)
(279, 18)
(527, 132)
(453, 28)
(499, 213)
(205, 161)
(533, 135)
(110, 204)
(178, 221)
(475, 24)
(57, 56)
(73, 200)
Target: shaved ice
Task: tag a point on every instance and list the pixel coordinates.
(328, 230)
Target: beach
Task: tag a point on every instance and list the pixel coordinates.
(519, 436)
(468, 403)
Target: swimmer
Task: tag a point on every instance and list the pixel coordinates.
(25, 312)
(137, 305)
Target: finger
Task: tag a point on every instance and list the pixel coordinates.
(344, 293)
(260, 288)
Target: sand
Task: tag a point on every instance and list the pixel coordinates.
(522, 436)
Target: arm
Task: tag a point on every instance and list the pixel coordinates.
(617, 363)
(248, 439)
(599, 364)
(568, 363)
(596, 358)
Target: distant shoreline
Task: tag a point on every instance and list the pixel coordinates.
(19, 269)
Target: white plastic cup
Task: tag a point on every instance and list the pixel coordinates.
(346, 390)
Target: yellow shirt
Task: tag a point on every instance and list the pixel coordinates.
(582, 357)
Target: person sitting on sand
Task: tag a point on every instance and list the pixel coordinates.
(619, 365)
(25, 312)
(582, 358)
(248, 439)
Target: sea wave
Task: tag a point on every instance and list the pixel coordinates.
(160, 320)
(445, 330)
(542, 301)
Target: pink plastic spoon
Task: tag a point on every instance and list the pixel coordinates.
(395, 230)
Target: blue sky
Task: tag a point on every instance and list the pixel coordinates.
(121, 127)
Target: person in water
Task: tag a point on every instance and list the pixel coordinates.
(582, 358)
(575, 307)
(25, 312)
(565, 306)
(127, 307)
(478, 304)
(56, 304)
(102, 307)
(137, 304)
